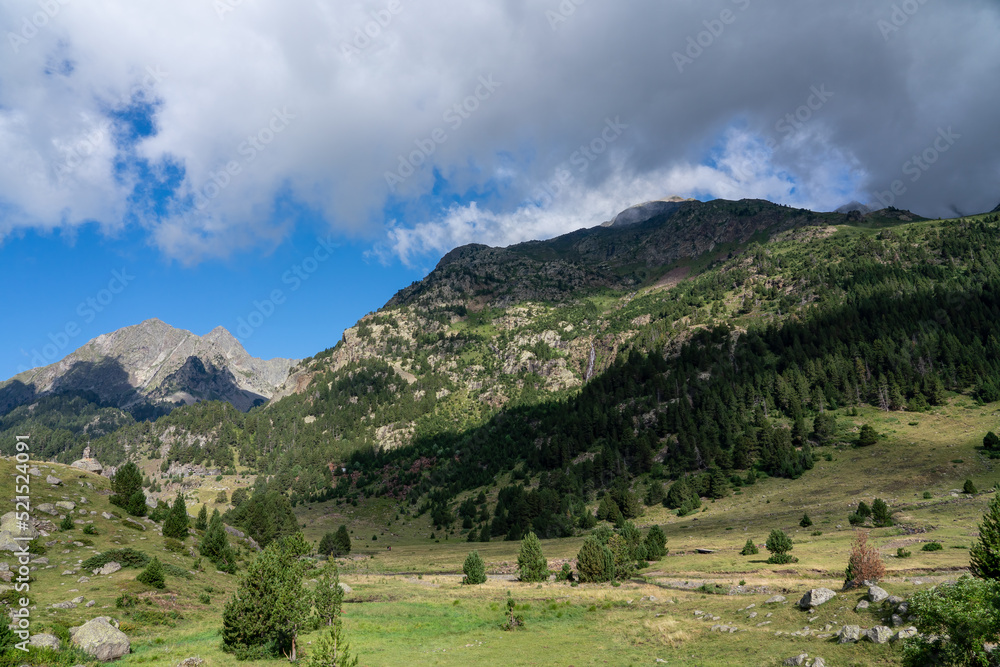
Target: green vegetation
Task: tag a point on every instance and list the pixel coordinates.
(531, 564)
(474, 569)
(749, 549)
(984, 556)
(779, 544)
(152, 576)
(957, 620)
(176, 523)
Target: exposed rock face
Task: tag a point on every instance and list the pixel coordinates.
(101, 639)
(153, 363)
(645, 212)
(816, 597)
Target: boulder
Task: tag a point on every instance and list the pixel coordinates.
(54, 481)
(879, 635)
(818, 662)
(849, 634)
(905, 633)
(132, 523)
(799, 659)
(108, 568)
(11, 528)
(862, 604)
(191, 662)
(775, 599)
(90, 465)
(895, 600)
(107, 516)
(816, 597)
(877, 594)
(48, 508)
(43, 640)
(897, 620)
(101, 639)
(67, 505)
(344, 587)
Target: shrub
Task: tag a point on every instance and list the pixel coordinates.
(969, 487)
(932, 546)
(90, 529)
(984, 556)
(955, 621)
(881, 516)
(126, 557)
(66, 523)
(868, 436)
(903, 553)
(749, 549)
(205, 598)
(656, 543)
(531, 564)
(595, 562)
(779, 545)
(222, 499)
(328, 596)
(511, 619)
(991, 441)
(176, 546)
(565, 574)
(153, 575)
(474, 569)
(176, 523)
(624, 558)
(928, 495)
(126, 600)
(865, 562)
(332, 649)
(855, 519)
(805, 522)
(863, 510)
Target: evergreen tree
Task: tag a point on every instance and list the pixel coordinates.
(718, 485)
(985, 554)
(805, 522)
(136, 504)
(969, 487)
(867, 437)
(153, 574)
(474, 569)
(595, 562)
(991, 442)
(67, 523)
(328, 544)
(824, 426)
(264, 615)
(624, 560)
(342, 542)
(202, 522)
(176, 523)
(124, 483)
(749, 549)
(656, 543)
(332, 649)
(608, 510)
(328, 596)
(863, 510)
(215, 545)
(779, 545)
(654, 494)
(881, 516)
(531, 564)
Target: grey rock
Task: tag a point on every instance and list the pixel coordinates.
(108, 568)
(67, 505)
(818, 662)
(344, 587)
(816, 597)
(134, 524)
(48, 508)
(879, 634)
(64, 605)
(877, 594)
(905, 633)
(77, 600)
(55, 481)
(862, 604)
(897, 620)
(191, 662)
(775, 599)
(895, 600)
(43, 640)
(799, 659)
(90, 603)
(99, 638)
(849, 634)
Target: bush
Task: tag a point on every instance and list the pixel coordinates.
(656, 543)
(868, 436)
(126, 557)
(991, 441)
(66, 523)
(749, 549)
(805, 522)
(778, 542)
(511, 619)
(531, 564)
(126, 600)
(153, 575)
(955, 621)
(932, 546)
(474, 569)
(174, 545)
(565, 574)
(595, 562)
(856, 519)
(903, 553)
(332, 649)
(985, 554)
(865, 562)
(881, 516)
(969, 487)
(90, 529)
(928, 495)
(863, 510)
(205, 598)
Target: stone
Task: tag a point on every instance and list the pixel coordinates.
(11, 528)
(48, 508)
(77, 600)
(40, 560)
(54, 481)
(877, 594)
(90, 603)
(43, 640)
(99, 638)
(191, 662)
(775, 599)
(108, 568)
(799, 659)
(895, 600)
(897, 620)
(903, 608)
(64, 605)
(107, 516)
(818, 662)
(905, 633)
(67, 505)
(849, 634)
(35, 471)
(344, 587)
(816, 597)
(862, 604)
(83, 580)
(89, 464)
(134, 524)
(879, 635)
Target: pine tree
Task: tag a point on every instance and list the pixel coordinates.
(176, 523)
(969, 487)
(991, 442)
(474, 569)
(595, 562)
(608, 510)
(215, 545)
(718, 485)
(153, 574)
(531, 564)
(985, 554)
(749, 549)
(202, 522)
(328, 596)
(863, 510)
(881, 516)
(656, 543)
(332, 650)
(867, 437)
(342, 542)
(136, 504)
(805, 522)
(328, 544)
(779, 545)
(124, 483)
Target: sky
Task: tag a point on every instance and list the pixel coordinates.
(281, 169)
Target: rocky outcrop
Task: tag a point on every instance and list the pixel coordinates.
(101, 639)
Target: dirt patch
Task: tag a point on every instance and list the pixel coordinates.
(673, 277)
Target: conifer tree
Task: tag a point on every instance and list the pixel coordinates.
(805, 522)
(202, 522)
(215, 545)
(608, 510)
(328, 596)
(342, 542)
(474, 569)
(779, 545)
(531, 564)
(881, 516)
(595, 562)
(332, 649)
(985, 554)
(656, 543)
(124, 483)
(176, 523)
(152, 575)
(749, 549)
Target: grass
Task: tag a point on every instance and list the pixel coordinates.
(408, 606)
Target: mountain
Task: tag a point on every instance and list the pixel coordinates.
(997, 209)
(153, 365)
(647, 211)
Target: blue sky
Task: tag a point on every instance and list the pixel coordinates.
(203, 148)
